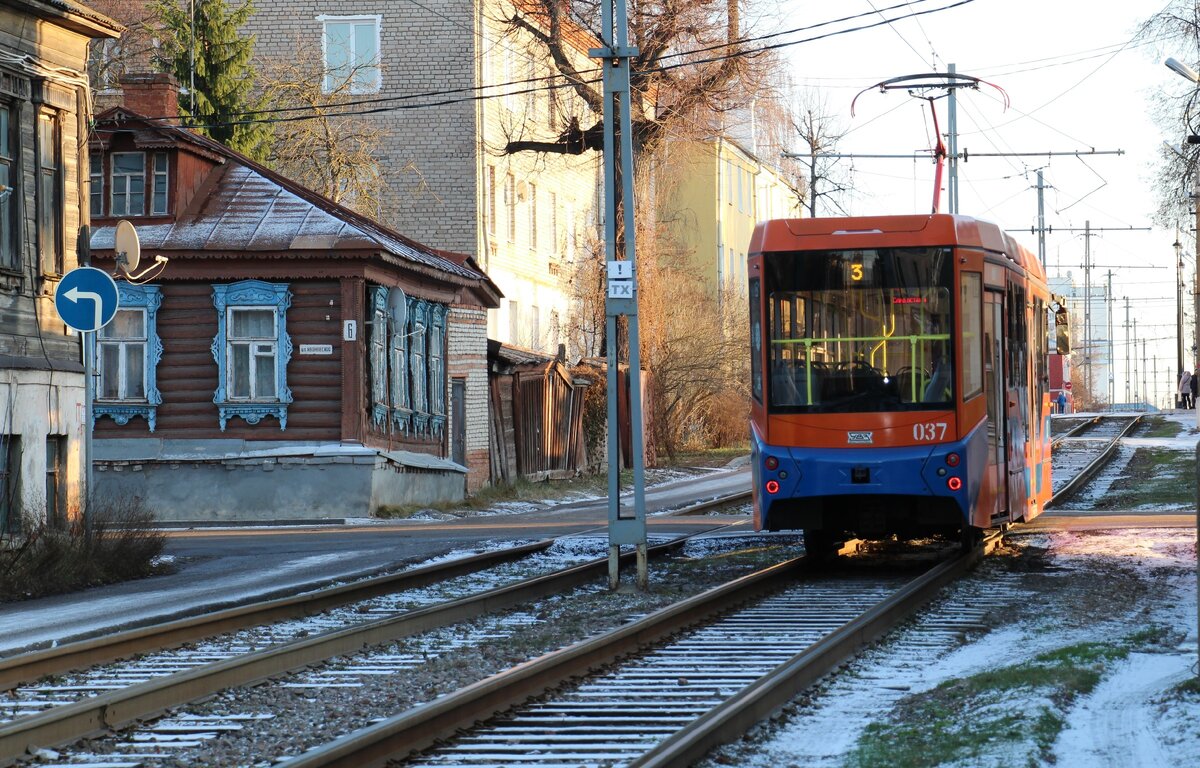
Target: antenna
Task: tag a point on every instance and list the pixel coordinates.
(128, 251)
(127, 247)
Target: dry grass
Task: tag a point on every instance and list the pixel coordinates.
(46, 560)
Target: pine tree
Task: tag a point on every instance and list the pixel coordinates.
(223, 76)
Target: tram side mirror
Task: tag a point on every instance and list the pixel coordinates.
(1062, 332)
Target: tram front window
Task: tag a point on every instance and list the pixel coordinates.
(860, 330)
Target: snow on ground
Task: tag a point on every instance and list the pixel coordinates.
(1134, 717)
(1099, 486)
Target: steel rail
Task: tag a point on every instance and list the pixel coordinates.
(26, 667)
(1075, 430)
(71, 722)
(719, 501)
(1086, 474)
(426, 724)
(770, 693)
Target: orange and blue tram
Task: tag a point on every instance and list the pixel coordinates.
(899, 377)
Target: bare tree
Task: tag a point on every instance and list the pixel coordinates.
(819, 132)
(332, 153)
(669, 88)
(1175, 30)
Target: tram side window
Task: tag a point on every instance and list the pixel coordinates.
(755, 340)
(972, 333)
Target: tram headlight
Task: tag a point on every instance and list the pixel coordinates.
(954, 483)
(952, 459)
(772, 487)
(771, 463)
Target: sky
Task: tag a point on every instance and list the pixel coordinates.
(1076, 81)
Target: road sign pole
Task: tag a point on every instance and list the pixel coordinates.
(86, 300)
(89, 391)
(621, 298)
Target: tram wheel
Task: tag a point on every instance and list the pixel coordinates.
(820, 544)
(969, 537)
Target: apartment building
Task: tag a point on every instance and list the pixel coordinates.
(455, 86)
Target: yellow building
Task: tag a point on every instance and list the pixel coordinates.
(715, 191)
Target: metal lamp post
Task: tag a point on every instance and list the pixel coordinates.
(1178, 314)
(1190, 74)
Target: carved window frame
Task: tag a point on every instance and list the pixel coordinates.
(147, 298)
(252, 294)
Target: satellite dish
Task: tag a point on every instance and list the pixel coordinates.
(127, 247)
(398, 307)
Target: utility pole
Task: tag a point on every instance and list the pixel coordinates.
(1128, 342)
(952, 130)
(624, 526)
(1112, 389)
(1155, 379)
(1145, 389)
(1178, 311)
(1041, 220)
(1136, 396)
(1087, 306)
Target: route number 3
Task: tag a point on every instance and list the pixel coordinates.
(929, 431)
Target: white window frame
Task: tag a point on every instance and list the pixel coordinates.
(125, 210)
(124, 345)
(259, 346)
(510, 207)
(96, 180)
(377, 20)
(533, 217)
(155, 175)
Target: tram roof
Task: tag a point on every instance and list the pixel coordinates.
(938, 229)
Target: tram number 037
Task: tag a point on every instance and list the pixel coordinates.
(930, 431)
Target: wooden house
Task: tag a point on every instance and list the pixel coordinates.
(294, 359)
(44, 120)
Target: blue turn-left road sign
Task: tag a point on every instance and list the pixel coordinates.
(86, 299)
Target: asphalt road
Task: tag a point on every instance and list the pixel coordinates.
(216, 568)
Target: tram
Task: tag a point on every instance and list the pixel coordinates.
(899, 377)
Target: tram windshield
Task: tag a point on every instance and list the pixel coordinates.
(860, 330)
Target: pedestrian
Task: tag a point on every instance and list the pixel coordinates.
(1062, 401)
(1192, 392)
(1185, 389)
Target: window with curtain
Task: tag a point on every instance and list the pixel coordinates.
(128, 351)
(252, 350)
(407, 363)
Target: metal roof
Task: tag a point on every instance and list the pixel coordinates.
(249, 208)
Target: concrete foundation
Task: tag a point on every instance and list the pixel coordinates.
(261, 484)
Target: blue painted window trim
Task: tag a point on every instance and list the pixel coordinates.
(406, 354)
(252, 293)
(418, 323)
(377, 352)
(437, 367)
(149, 298)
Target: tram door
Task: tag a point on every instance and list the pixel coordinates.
(996, 479)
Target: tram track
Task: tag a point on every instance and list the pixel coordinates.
(111, 696)
(138, 700)
(699, 690)
(1083, 451)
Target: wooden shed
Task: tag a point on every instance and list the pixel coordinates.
(537, 415)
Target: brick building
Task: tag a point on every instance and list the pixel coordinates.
(44, 112)
(525, 217)
(294, 359)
